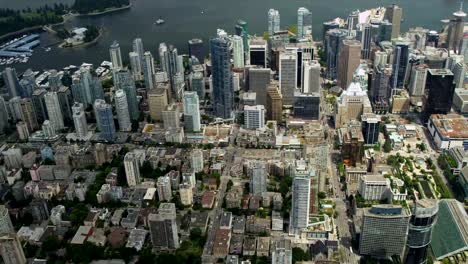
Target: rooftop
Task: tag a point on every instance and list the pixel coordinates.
(451, 125)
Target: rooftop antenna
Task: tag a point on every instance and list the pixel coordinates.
(461, 5)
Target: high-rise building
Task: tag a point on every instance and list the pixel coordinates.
(273, 22)
(48, 129)
(89, 88)
(124, 81)
(186, 194)
(370, 128)
(394, 15)
(258, 52)
(348, 61)
(311, 83)
(54, 80)
(366, 40)
(418, 80)
(351, 105)
(121, 108)
(11, 81)
(116, 56)
(157, 102)
(223, 93)
(456, 30)
(66, 101)
(195, 47)
(6, 226)
(22, 129)
(170, 64)
(148, 70)
(196, 160)
(192, 112)
(379, 88)
(163, 228)
(100, 154)
(400, 65)
(373, 187)
(274, 103)
(164, 188)
(28, 114)
(328, 25)
(137, 47)
(259, 79)
(258, 175)
(28, 83)
(423, 219)
(136, 65)
(254, 116)
(54, 110)
(385, 31)
(307, 106)
(384, 231)
(105, 119)
(304, 22)
(3, 115)
(281, 252)
(132, 169)
(287, 76)
(237, 51)
(242, 30)
(300, 203)
(171, 116)
(11, 249)
(459, 71)
(333, 40)
(79, 119)
(197, 84)
(439, 89)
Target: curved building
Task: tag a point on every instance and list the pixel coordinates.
(121, 107)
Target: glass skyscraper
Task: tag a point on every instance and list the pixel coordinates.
(105, 119)
(124, 81)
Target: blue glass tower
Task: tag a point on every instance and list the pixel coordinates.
(105, 119)
(124, 81)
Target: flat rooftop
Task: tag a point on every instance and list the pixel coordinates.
(451, 125)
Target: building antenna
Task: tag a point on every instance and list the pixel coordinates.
(461, 5)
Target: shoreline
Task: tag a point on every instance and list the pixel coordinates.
(85, 44)
(106, 11)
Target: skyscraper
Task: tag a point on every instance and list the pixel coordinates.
(307, 106)
(328, 25)
(6, 226)
(274, 103)
(418, 80)
(287, 76)
(148, 70)
(170, 64)
(304, 22)
(370, 128)
(28, 114)
(259, 79)
(223, 94)
(163, 228)
(456, 30)
(333, 40)
(3, 115)
(423, 219)
(170, 116)
(195, 47)
(243, 31)
(11, 250)
(28, 83)
(132, 169)
(400, 64)
(258, 176)
(11, 81)
(121, 107)
(79, 119)
(238, 51)
(124, 81)
(300, 203)
(137, 47)
(366, 40)
(197, 84)
(254, 116)
(157, 102)
(136, 63)
(311, 83)
(163, 186)
(348, 61)
(54, 110)
(192, 112)
(273, 21)
(384, 231)
(105, 119)
(439, 89)
(379, 86)
(394, 14)
(116, 56)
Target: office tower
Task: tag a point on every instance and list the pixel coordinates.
(259, 79)
(456, 30)
(192, 112)
(195, 47)
(333, 40)
(379, 88)
(287, 76)
(66, 101)
(238, 51)
(223, 97)
(28, 114)
(394, 15)
(136, 65)
(304, 22)
(348, 61)
(54, 110)
(121, 107)
(28, 83)
(115, 56)
(373, 187)
(281, 252)
(22, 129)
(164, 188)
(196, 160)
(329, 25)
(157, 102)
(258, 52)
(384, 231)
(254, 116)
(163, 229)
(186, 194)
(307, 106)
(351, 104)
(197, 84)
(90, 87)
(418, 80)
(274, 103)
(352, 21)
(258, 177)
(79, 119)
(311, 83)
(370, 128)
(242, 30)
(132, 169)
(11, 249)
(104, 119)
(5, 221)
(170, 64)
(440, 90)
(137, 47)
(380, 58)
(273, 22)
(48, 129)
(179, 86)
(3, 115)
(400, 65)
(300, 202)
(384, 31)
(125, 82)
(366, 40)
(148, 70)
(459, 72)
(11, 82)
(54, 80)
(170, 116)
(423, 219)
(14, 106)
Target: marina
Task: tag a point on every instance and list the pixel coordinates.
(18, 50)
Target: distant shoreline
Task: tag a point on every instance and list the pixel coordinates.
(106, 11)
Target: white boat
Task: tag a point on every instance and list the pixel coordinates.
(160, 21)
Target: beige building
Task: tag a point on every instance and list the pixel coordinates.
(157, 102)
(352, 103)
(348, 62)
(401, 103)
(171, 116)
(274, 103)
(186, 194)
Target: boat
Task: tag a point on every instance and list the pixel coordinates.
(160, 21)
(47, 49)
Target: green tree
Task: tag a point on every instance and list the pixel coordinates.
(299, 255)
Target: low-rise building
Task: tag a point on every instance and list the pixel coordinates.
(250, 245)
(136, 239)
(263, 246)
(221, 243)
(448, 131)
(131, 220)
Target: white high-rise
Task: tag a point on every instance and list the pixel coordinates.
(164, 188)
(237, 51)
(300, 202)
(311, 83)
(257, 171)
(136, 65)
(148, 70)
(192, 112)
(254, 116)
(273, 21)
(304, 22)
(121, 107)
(116, 56)
(54, 110)
(196, 160)
(132, 169)
(138, 49)
(79, 119)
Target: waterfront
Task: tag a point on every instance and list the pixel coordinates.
(190, 19)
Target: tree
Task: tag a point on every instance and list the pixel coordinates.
(322, 195)
(78, 214)
(387, 147)
(299, 255)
